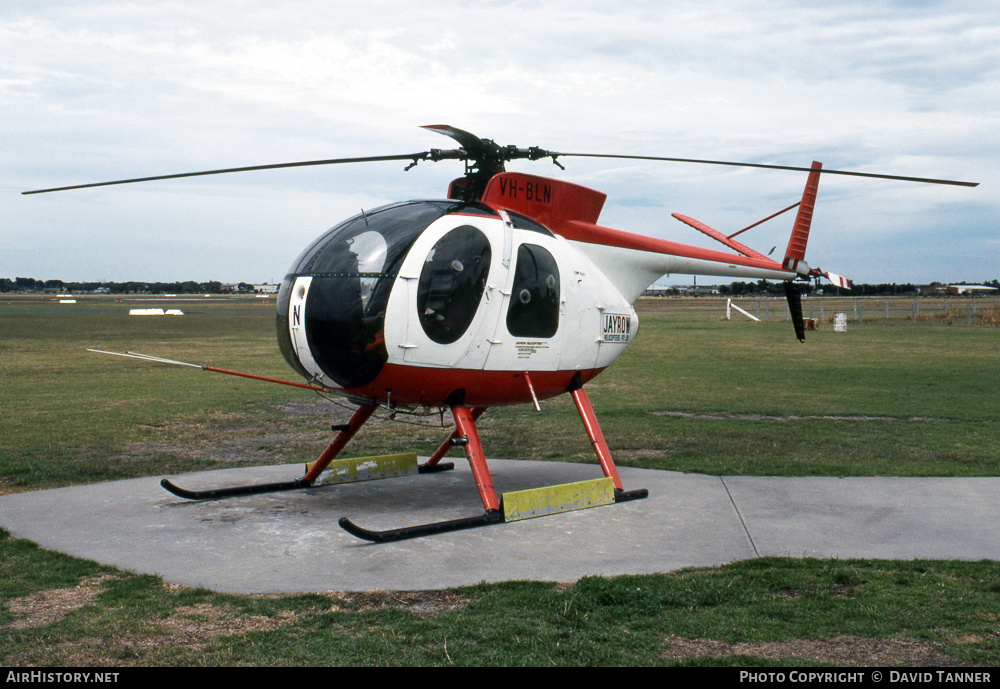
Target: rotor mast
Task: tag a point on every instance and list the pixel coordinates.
(484, 158)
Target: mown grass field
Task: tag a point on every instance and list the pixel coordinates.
(910, 395)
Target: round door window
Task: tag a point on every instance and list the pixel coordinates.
(534, 302)
(452, 282)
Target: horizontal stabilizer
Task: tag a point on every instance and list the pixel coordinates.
(718, 236)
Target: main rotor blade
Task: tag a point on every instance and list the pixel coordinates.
(824, 171)
(415, 157)
(467, 140)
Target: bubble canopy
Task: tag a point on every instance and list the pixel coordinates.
(352, 268)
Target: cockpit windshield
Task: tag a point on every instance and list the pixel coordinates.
(371, 244)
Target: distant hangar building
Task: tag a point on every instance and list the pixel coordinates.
(968, 290)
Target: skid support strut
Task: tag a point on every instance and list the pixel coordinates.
(600, 445)
(344, 435)
(465, 424)
(455, 438)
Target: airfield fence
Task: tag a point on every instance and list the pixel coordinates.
(950, 310)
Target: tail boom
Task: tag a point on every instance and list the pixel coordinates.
(633, 262)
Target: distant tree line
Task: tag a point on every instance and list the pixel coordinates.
(186, 287)
(776, 288)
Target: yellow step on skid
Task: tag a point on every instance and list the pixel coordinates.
(538, 502)
(368, 469)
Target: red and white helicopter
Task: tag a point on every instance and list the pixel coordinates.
(506, 292)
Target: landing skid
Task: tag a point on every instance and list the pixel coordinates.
(281, 486)
(217, 493)
(343, 471)
(488, 518)
(497, 509)
(389, 535)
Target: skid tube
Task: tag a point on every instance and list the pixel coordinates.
(280, 486)
(488, 518)
(389, 535)
(216, 493)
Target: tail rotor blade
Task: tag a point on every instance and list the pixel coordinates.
(794, 297)
(838, 280)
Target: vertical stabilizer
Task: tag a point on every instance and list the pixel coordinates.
(795, 254)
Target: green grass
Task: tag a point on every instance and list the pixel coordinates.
(770, 611)
(692, 393)
(747, 398)
(893, 397)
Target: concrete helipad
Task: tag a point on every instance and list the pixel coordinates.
(290, 541)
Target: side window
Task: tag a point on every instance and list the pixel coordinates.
(452, 282)
(534, 301)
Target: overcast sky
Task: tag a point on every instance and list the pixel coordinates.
(98, 90)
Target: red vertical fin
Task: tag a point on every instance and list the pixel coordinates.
(795, 254)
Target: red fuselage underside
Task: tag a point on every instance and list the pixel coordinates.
(435, 387)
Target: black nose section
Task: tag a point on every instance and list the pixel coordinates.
(351, 270)
(282, 326)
